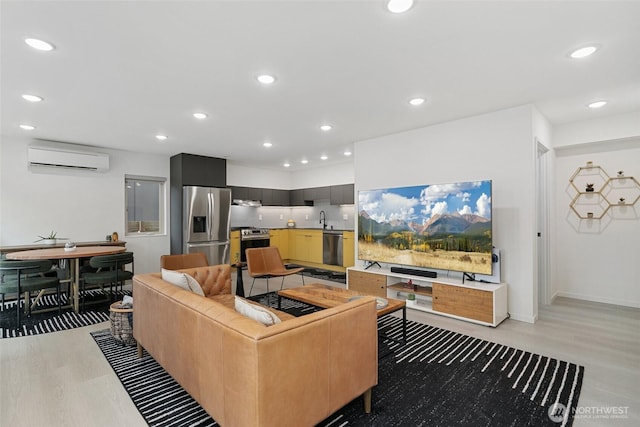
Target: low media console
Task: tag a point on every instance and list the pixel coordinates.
(482, 303)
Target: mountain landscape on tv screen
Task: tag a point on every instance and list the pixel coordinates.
(440, 227)
(445, 227)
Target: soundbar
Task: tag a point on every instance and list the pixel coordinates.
(413, 271)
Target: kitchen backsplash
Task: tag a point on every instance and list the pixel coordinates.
(340, 217)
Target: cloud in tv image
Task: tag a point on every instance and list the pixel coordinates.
(444, 226)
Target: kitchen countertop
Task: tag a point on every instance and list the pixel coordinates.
(339, 230)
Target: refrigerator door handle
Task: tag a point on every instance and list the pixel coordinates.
(209, 213)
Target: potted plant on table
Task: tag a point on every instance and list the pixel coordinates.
(50, 239)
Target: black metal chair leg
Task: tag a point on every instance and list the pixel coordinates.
(251, 290)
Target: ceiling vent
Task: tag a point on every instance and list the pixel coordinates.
(65, 158)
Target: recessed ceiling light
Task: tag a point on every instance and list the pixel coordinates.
(161, 137)
(326, 128)
(347, 153)
(39, 44)
(583, 52)
(200, 116)
(399, 6)
(267, 144)
(416, 101)
(597, 104)
(286, 165)
(27, 127)
(32, 98)
(304, 161)
(324, 157)
(266, 79)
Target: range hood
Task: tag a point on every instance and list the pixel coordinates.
(248, 203)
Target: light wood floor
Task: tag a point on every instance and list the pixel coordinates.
(62, 379)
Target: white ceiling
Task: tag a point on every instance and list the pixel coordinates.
(125, 71)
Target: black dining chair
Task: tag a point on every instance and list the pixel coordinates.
(25, 277)
(110, 270)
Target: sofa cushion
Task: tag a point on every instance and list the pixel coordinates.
(214, 280)
(256, 312)
(182, 280)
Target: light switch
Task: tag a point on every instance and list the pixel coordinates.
(345, 217)
(260, 217)
(306, 217)
(281, 216)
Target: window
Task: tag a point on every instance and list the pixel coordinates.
(144, 205)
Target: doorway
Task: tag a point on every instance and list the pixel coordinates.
(542, 224)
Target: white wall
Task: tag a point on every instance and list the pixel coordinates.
(497, 146)
(243, 176)
(597, 260)
(82, 206)
(602, 129)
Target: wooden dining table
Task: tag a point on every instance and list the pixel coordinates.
(73, 256)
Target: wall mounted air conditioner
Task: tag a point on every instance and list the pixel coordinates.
(59, 157)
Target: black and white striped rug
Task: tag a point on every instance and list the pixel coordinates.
(50, 321)
(439, 378)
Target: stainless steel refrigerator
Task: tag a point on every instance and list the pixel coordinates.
(205, 222)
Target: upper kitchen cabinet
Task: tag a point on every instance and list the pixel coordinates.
(254, 193)
(239, 193)
(272, 197)
(316, 193)
(342, 194)
(297, 198)
(191, 169)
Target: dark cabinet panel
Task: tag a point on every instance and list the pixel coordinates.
(317, 193)
(297, 197)
(342, 194)
(200, 170)
(267, 197)
(281, 197)
(239, 193)
(255, 193)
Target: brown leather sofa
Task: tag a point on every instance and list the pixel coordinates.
(180, 261)
(294, 373)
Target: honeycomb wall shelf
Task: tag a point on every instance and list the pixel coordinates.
(597, 192)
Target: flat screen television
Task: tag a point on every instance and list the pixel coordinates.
(439, 226)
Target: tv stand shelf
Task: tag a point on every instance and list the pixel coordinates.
(482, 303)
(425, 291)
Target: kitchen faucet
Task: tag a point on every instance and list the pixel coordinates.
(323, 220)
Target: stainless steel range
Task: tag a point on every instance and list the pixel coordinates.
(253, 238)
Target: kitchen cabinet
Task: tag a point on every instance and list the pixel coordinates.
(202, 171)
(239, 193)
(348, 248)
(308, 246)
(274, 197)
(296, 198)
(235, 246)
(316, 193)
(254, 193)
(280, 239)
(336, 194)
(342, 194)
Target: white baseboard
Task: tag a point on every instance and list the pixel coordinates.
(625, 303)
(523, 318)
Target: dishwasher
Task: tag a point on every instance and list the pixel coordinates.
(332, 248)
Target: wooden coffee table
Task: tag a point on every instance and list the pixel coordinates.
(325, 296)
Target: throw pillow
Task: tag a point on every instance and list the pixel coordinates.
(182, 280)
(256, 312)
